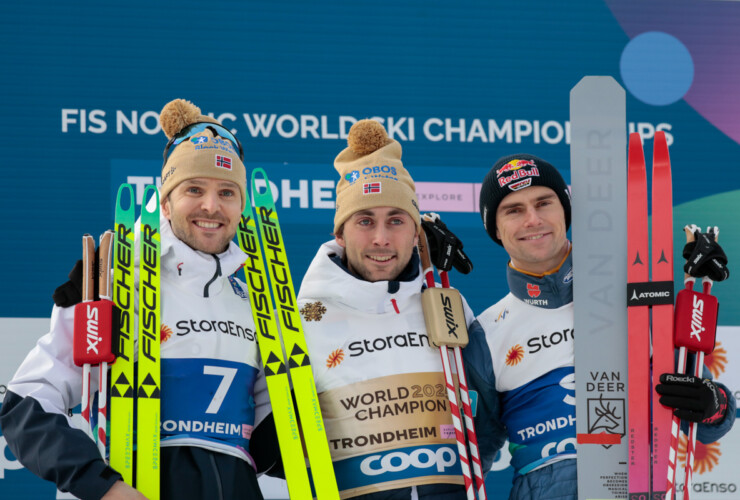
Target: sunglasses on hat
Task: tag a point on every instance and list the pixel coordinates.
(197, 128)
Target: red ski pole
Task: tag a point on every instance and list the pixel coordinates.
(682, 357)
(93, 332)
(444, 341)
(695, 331)
(104, 291)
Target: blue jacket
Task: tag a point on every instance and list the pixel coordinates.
(520, 362)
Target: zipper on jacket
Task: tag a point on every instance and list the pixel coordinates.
(216, 275)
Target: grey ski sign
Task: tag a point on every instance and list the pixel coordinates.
(599, 230)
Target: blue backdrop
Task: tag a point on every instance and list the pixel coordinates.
(458, 84)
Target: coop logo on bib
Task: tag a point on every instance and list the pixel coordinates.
(442, 460)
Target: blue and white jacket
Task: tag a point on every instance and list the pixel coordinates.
(523, 359)
(209, 365)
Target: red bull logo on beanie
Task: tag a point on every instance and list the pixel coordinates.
(515, 165)
(515, 171)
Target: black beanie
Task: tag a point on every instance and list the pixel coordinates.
(513, 173)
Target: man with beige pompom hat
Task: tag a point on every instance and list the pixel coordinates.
(207, 329)
(380, 382)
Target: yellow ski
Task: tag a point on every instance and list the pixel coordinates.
(122, 372)
(291, 328)
(276, 375)
(148, 372)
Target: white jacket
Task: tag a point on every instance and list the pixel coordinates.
(380, 383)
(209, 364)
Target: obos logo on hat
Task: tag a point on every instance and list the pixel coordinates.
(372, 174)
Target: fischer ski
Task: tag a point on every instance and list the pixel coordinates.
(293, 338)
(104, 333)
(638, 318)
(122, 372)
(599, 214)
(272, 353)
(148, 381)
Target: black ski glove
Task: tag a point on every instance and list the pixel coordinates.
(70, 293)
(445, 249)
(693, 399)
(704, 257)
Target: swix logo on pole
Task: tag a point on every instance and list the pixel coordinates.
(94, 335)
(697, 314)
(449, 316)
(696, 321)
(93, 338)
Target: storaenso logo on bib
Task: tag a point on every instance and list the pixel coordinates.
(411, 462)
(408, 339)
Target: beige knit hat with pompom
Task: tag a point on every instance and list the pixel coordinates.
(372, 175)
(202, 154)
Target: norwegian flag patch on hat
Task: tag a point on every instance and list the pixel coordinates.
(223, 162)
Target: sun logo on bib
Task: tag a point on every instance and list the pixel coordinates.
(717, 361)
(514, 356)
(336, 357)
(165, 332)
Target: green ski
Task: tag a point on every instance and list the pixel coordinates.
(122, 372)
(148, 372)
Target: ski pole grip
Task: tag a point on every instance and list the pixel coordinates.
(93, 319)
(423, 246)
(444, 317)
(88, 268)
(689, 230)
(105, 250)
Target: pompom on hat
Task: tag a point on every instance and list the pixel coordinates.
(199, 146)
(372, 175)
(513, 173)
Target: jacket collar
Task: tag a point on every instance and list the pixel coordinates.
(329, 279)
(192, 270)
(549, 291)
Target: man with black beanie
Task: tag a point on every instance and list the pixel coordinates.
(524, 358)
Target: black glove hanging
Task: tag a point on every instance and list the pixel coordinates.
(704, 257)
(693, 399)
(69, 293)
(445, 249)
